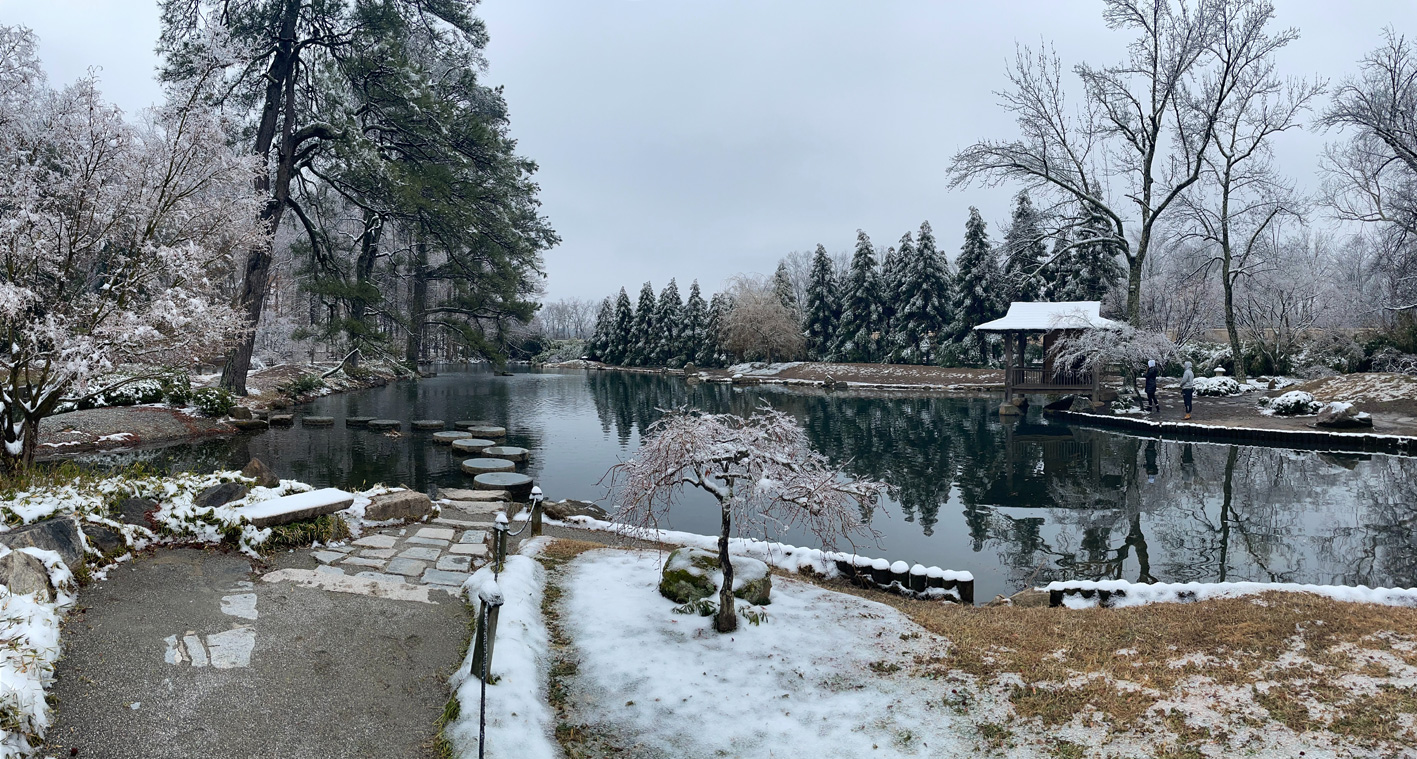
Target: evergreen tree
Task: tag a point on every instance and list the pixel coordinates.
(782, 288)
(893, 284)
(617, 348)
(925, 244)
(642, 330)
(1090, 269)
(1024, 252)
(924, 314)
(694, 321)
(823, 307)
(667, 326)
(711, 352)
(858, 330)
(599, 340)
(976, 283)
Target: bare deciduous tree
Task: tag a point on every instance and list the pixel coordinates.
(763, 473)
(759, 325)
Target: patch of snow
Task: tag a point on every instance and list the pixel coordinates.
(29, 647)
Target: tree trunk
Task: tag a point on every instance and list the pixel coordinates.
(727, 619)
(1236, 350)
(363, 272)
(1134, 290)
(417, 304)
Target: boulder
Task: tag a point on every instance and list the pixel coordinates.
(1007, 408)
(1106, 395)
(240, 412)
(1339, 415)
(317, 421)
(138, 511)
(692, 573)
(262, 474)
(105, 540)
(281, 420)
(249, 425)
(1062, 404)
(1081, 405)
(573, 508)
(57, 535)
(401, 504)
(220, 495)
(23, 573)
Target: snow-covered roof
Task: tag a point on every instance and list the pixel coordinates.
(1044, 316)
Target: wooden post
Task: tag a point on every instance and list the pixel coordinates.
(1008, 367)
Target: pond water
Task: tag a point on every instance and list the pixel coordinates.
(1014, 501)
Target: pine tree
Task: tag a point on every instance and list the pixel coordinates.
(924, 314)
(1024, 252)
(925, 244)
(642, 329)
(711, 352)
(976, 296)
(667, 326)
(823, 307)
(604, 324)
(782, 288)
(694, 321)
(617, 349)
(1090, 269)
(859, 328)
(893, 284)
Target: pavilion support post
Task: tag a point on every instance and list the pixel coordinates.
(1008, 367)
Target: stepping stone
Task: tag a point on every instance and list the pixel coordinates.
(329, 570)
(483, 466)
(471, 444)
(454, 563)
(428, 424)
(487, 430)
(317, 421)
(377, 541)
(473, 536)
(428, 542)
(421, 554)
(444, 577)
(357, 421)
(478, 510)
(281, 420)
(380, 576)
(463, 424)
(377, 553)
(463, 494)
(447, 437)
(508, 452)
(327, 557)
(383, 424)
(406, 567)
(469, 549)
(518, 486)
(360, 561)
(249, 425)
(436, 533)
(293, 508)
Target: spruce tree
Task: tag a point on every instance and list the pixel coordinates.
(642, 334)
(782, 288)
(694, 321)
(604, 324)
(823, 307)
(924, 314)
(667, 327)
(617, 348)
(976, 283)
(1024, 252)
(858, 330)
(711, 352)
(1091, 268)
(925, 244)
(893, 283)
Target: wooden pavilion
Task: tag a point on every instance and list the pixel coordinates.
(1052, 321)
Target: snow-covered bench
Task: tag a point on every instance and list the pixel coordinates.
(293, 508)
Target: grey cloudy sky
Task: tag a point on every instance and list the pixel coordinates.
(700, 139)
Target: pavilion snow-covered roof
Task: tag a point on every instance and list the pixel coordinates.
(1045, 316)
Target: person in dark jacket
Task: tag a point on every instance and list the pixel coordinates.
(1152, 404)
(1188, 387)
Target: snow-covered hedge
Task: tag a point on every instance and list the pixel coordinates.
(29, 647)
(1292, 403)
(1217, 386)
(1082, 594)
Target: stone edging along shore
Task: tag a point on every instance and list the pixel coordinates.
(1366, 442)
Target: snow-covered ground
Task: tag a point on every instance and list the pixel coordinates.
(1139, 594)
(29, 647)
(801, 683)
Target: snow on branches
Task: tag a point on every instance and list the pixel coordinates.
(761, 469)
(115, 237)
(1110, 344)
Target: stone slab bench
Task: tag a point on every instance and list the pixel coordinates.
(293, 508)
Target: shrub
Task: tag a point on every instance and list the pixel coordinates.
(177, 388)
(1218, 386)
(140, 391)
(213, 401)
(1292, 403)
(305, 383)
(1390, 359)
(1332, 351)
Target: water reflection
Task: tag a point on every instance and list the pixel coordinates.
(1015, 502)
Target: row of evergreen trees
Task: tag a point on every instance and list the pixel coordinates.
(911, 307)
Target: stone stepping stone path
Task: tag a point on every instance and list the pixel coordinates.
(428, 424)
(482, 466)
(357, 421)
(440, 556)
(487, 430)
(472, 444)
(281, 420)
(446, 437)
(508, 452)
(518, 486)
(317, 421)
(384, 424)
(463, 424)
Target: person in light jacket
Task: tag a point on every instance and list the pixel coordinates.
(1188, 387)
(1152, 404)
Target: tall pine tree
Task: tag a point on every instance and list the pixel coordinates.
(823, 307)
(976, 284)
(694, 320)
(604, 324)
(861, 316)
(711, 352)
(1024, 252)
(923, 317)
(617, 349)
(1090, 269)
(782, 288)
(642, 330)
(667, 327)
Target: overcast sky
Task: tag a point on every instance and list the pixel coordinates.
(698, 139)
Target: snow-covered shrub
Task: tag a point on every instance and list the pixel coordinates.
(305, 383)
(213, 401)
(1218, 386)
(133, 393)
(29, 647)
(1204, 357)
(177, 388)
(1328, 353)
(1390, 359)
(1292, 403)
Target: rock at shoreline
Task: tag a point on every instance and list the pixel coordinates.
(262, 474)
(57, 535)
(240, 412)
(402, 504)
(1342, 416)
(572, 508)
(220, 495)
(23, 573)
(693, 573)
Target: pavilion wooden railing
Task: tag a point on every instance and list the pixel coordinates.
(1050, 379)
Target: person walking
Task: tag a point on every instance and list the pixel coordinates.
(1188, 387)
(1152, 404)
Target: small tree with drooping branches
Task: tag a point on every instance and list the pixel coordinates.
(765, 476)
(1113, 344)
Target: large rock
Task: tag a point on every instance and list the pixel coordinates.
(297, 507)
(240, 412)
(692, 573)
(138, 511)
(57, 535)
(1342, 416)
(105, 540)
(22, 574)
(257, 470)
(573, 508)
(220, 495)
(402, 504)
